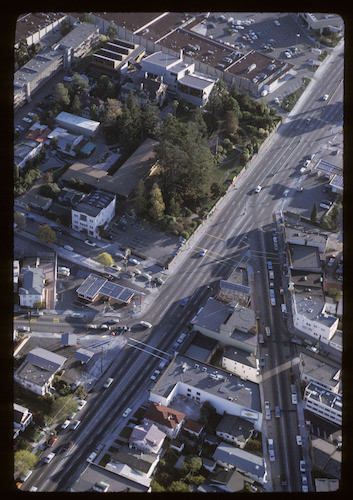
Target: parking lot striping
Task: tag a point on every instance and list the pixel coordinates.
(217, 237)
(56, 320)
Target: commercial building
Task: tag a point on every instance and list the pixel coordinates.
(324, 403)
(241, 363)
(94, 286)
(201, 382)
(314, 370)
(94, 212)
(320, 21)
(33, 287)
(117, 55)
(78, 125)
(233, 325)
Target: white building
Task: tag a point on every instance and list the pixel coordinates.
(22, 418)
(324, 403)
(33, 287)
(180, 77)
(200, 382)
(77, 124)
(309, 316)
(241, 363)
(95, 211)
(147, 438)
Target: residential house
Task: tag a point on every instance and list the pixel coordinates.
(201, 382)
(33, 287)
(26, 150)
(324, 403)
(38, 370)
(230, 457)
(94, 212)
(241, 363)
(70, 197)
(147, 438)
(229, 481)
(143, 463)
(87, 101)
(166, 419)
(193, 427)
(69, 144)
(35, 201)
(322, 373)
(148, 90)
(229, 324)
(22, 418)
(177, 445)
(209, 464)
(235, 430)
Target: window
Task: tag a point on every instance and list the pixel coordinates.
(83, 217)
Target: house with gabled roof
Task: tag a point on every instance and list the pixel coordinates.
(33, 287)
(147, 437)
(166, 419)
(143, 463)
(235, 430)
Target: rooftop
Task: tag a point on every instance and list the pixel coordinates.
(304, 257)
(236, 426)
(96, 201)
(313, 310)
(240, 356)
(184, 370)
(164, 415)
(241, 459)
(32, 281)
(78, 35)
(325, 397)
(318, 370)
(68, 118)
(95, 284)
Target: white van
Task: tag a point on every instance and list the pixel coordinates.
(284, 308)
(67, 247)
(146, 324)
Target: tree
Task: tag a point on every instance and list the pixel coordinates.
(157, 207)
(78, 85)
(75, 105)
(61, 95)
(192, 464)
(313, 215)
(46, 233)
(217, 190)
(112, 32)
(105, 259)
(196, 480)
(130, 123)
(149, 119)
(141, 201)
(23, 461)
(50, 190)
(231, 122)
(20, 220)
(63, 406)
(174, 208)
(179, 486)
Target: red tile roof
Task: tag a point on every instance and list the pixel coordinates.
(192, 426)
(163, 415)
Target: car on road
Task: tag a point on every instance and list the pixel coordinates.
(272, 455)
(67, 445)
(294, 399)
(283, 480)
(104, 326)
(155, 374)
(184, 301)
(159, 281)
(281, 290)
(267, 405)
(307, 121)
(66, 424)
(277, 412)
(325, 97)
(81, 404)
(112, 321)
(277, 23)
(302, 465)
(49, 458)
(116, 267)
(26, 475)
(276, 100)
(90, 243)
(127, 412)
(286, 192)
(91, 457)
(108, 382)
(307, 163)
(37, 313)
(258, 314)
(203, 252)
(267, 414)
(267, 331)
(269, 265)
(52, 440)
(146, 324)
(299, 440)
(262, 361)
(257, 189)
(75, 424)
(124, 328)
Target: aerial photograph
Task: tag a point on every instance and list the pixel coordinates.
(177, 252)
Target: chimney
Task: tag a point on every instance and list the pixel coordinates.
(181, 54)
(141, 86)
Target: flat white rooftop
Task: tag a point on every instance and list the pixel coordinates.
(78, 121)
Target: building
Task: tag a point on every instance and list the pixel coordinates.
(68, 144)
(201, 382)
(123, 183)
(326, 404)
(38, 370)
(229, 481)
(94, 213)
(241, 363)
(118, 479)
(250, 465)
(320, 21)
(304, 258)
(296, 235)
(78, 125)
(148, 90)
(22, 418)
(143, 463)
(312, 369)
(233, 325)
(94, 286)
(180, 77)
(309, 316)
(193, 427)
(35, 201)
(326, 457)
(70, 197)
(26, 150)
(147, 438)
(33, 287)
(78, 42)
(16, 272)
(166, 419)
(117, 55)
(235, 430)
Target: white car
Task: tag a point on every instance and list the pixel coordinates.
(90, 243)
(268, 415)
(299, 440)
(108, 382)
(257, 189)
(49, 458)
(66, 424)
(116, 267)
(203, 252)
(127, 412)
(81, 404)
(272, 455)
(288, 55)
(277, 23)
(155, 374)
(302, 465)
(75, 424)
(325, 97)
(92, 457)
(307, 163)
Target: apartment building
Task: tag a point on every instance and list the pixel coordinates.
(94, 212)
(324, 403)
(33, 287)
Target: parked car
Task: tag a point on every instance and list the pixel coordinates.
(90, 243)
(75, 424)
(277, 412)
(184, 301)
(283, 480)
(159, 280)
(267, 405)
(49, 458)
(66, 424)
(299, 440)
(155, 374)
(67, 445)
(108, 382)
(116, 267)
(52, 440)
(72, 416)
(81, 404)
(112, 321)
(302, 465)
(127, 412)
(91, 457)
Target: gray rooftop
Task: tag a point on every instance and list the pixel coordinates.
(328, 168)
(162, 59)
(313, 310)
(304, 257)
(241, 459)
(240, 356)
(236, 426)
(216, 314)
(196, 81)
(135, 459)
(32, 281)
(35, 66)
(78, 35)
(45, 359)
(325, 397)
(31, 372)
(94, 203)
(95, 284)
(320, 371)
(205, 377)
(294, 233)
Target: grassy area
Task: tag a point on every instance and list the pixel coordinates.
(126, 432)
(104, 460)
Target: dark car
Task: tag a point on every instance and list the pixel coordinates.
(67, 445)
(284, 480)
